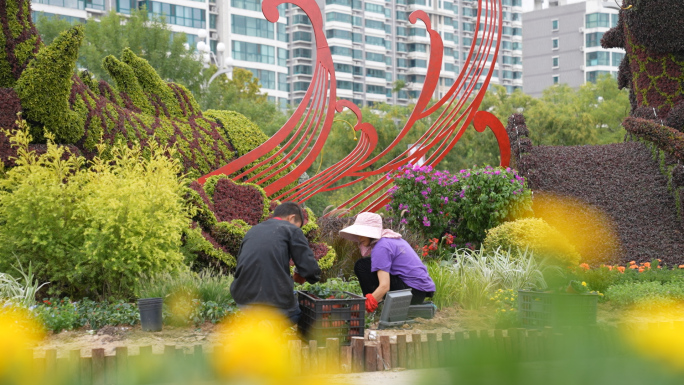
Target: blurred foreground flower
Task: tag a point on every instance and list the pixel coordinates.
(255, 349)
(660, 341)
(18, 332)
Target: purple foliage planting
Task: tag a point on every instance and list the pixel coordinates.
(624, 182)
(233, 201)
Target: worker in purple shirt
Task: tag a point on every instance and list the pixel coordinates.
(389, 262)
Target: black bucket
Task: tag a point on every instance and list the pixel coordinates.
(151, 314)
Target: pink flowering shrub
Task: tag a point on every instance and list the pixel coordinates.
(465, 204)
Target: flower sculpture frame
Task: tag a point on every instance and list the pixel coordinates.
(300, 141)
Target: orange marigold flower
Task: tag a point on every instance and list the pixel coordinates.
(681, 266)
(610, 267)
(584, 266)
(647, 264)
(632, 262)
(633, 267)
(621, 269)
(641, 270)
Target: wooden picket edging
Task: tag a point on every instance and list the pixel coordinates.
(409, 351)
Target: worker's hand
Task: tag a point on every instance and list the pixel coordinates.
(371, 303)
(298, 278)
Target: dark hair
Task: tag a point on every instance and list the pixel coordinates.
(289, 208)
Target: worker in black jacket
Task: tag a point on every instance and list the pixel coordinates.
(262, 276)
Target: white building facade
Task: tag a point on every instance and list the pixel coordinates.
(562, 44)
(373, 45)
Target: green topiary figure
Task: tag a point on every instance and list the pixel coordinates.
(20, 44)
(45, 86)
(141, 109)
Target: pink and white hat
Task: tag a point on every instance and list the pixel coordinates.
(367, 225)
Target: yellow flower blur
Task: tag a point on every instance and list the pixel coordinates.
(255, 348)
(18, 332)
(664, 344)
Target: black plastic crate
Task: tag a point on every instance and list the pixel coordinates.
(331, 318)
(538, 309)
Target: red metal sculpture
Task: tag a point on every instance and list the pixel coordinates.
(312, 121)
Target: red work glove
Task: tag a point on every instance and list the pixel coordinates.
(371, 303)
(298, 278)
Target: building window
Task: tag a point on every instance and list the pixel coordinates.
(554, 43)
(302, 70)
(597, 20)
(373, 40)
(377, 8)
(379, 90)
(283, 55)
(266, 78)
(344, 85)
(283, 85)
(555, 61)
(179, 15)
(301, 86)
(417, 63)
(342, 51)
(556, 79)
(592, 76)
(346, 3)
(337, 34)
(301, 19)
(375, 24)
(343, 68)
(258, 53)
(282, 32)
(417, 47)
(594, 39)
(250, 26)
(301, 52)
(336, 16)
(373, 73)
(250, 5)
(600, 58)
(371, 56)
(617, 58)
(554, 25)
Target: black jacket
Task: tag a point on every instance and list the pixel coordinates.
(262, 275)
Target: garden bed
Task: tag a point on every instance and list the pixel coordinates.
(451, 319)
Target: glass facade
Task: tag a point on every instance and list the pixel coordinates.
(179, 15)
(250, 26)
(258, 53)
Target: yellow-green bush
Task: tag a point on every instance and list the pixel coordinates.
(90, 228)
(535, 235)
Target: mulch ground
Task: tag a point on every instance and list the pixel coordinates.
(620, 180)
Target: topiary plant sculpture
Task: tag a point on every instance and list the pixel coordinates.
(39, 83)
(653, 70)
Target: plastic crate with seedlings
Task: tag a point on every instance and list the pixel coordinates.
(331, 314)
(540, 309)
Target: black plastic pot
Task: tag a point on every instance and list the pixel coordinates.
(151, 314)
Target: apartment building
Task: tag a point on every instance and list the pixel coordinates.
(562, 44)
(373, 44)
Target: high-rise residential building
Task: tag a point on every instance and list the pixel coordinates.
(373, 45)
(562, 44)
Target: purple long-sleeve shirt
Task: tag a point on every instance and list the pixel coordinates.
(397, 257)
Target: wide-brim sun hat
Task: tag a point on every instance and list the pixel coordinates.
(367, 225)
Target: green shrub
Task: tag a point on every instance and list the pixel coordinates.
(506, 303)
(91, 231)
(645, 295)
(535, 235)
